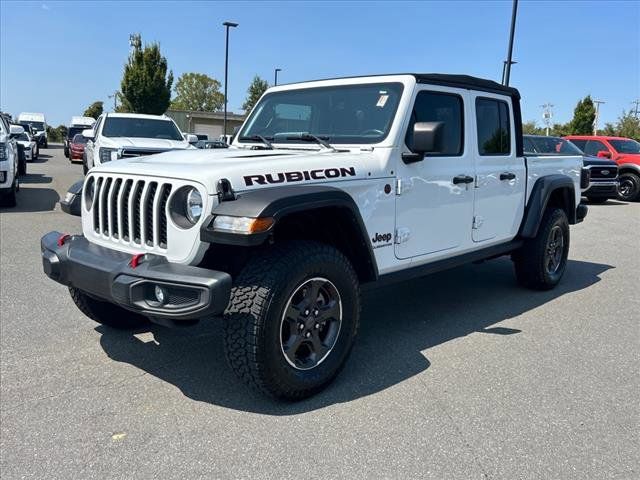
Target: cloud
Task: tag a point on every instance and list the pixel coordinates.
(45, 7)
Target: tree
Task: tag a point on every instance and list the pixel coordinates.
(609, 129)
(530, 128)
(94, 110)
(628, 126)
(57, 134)
(254, 92)
(583, 116)
(146, 86)
(196, 91)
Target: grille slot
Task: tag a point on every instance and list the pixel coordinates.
(131, 211)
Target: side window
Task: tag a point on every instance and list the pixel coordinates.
(440, 107)
(594, 146)
(579, 143)
(494, 133)
(528, 146)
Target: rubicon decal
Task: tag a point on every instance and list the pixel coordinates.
(299, 176)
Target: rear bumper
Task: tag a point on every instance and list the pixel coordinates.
(190, 292)
(602, 190)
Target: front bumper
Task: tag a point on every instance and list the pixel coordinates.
(602, 190)
(190, 292)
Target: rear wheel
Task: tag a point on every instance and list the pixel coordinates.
(106, 313)
(292, 319)
(629, 187)
(542, 260)
(22, 161)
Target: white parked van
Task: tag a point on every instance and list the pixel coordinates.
(77, 125)
(38, 124)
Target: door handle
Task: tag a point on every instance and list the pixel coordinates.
(507, 176)
(462, 179)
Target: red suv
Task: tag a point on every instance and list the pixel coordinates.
(624, 151)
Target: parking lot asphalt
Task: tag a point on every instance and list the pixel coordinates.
(461, 375)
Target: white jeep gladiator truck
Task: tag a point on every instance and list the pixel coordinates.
(329, 186)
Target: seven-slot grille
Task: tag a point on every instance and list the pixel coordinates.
(131, 211)
(603, 173)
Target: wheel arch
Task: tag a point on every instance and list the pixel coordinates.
(310, 212)
(551, 190)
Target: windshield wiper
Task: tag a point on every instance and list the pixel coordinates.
(309, 137)
(258, 138)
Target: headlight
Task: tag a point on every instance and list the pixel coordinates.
(89, 193)
(108, 154)
(185, 207)
(242, 225)
(194, 206)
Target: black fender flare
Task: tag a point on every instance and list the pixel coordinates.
(539, 198)
(279, 202)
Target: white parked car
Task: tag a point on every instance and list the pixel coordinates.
(77, 125)
(117, 136)
(9, 184)
(38, 124)
(29, 144)
(329, 186)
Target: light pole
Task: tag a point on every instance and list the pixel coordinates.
(595, 119)
(547, 115)
(226, 69)
(275, 76)
(504, 69)
(508, 63)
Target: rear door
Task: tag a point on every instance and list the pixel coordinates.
(500, 174)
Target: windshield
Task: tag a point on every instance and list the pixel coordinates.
(23, 137)
(78, 138)
(35, 125)
(625, 146)
(73, 131)
(341, 114)
(553, 146)
(140, 128)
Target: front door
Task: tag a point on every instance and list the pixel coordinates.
(500, 174)
(434, 205)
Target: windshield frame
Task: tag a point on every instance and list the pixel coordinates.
(178, 134)
(379, 83)
(616, 141)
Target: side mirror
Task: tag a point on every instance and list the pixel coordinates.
(15, 130)
(426, 137)
(192, 139)
(90, 134)
(604, 154)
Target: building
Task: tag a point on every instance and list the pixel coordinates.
(209, 123)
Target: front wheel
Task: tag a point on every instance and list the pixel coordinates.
(541, 261)
(292, 319)
(10, 199)
(106, 313)
(597, 200)
(629, 187)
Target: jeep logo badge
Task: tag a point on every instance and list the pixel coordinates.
(385, 237)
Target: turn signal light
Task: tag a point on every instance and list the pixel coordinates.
(242, 225)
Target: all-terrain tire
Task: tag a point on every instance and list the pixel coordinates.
(106, 313)
(531, 260)
(629, 187)
(254, 319)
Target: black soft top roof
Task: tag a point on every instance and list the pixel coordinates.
(466, 81)
(450, 80)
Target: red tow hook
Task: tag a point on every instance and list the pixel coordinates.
(136, 260)
(63, 238)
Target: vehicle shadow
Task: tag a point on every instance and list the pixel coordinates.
(35, 178)
(399, 323)
(34, 199)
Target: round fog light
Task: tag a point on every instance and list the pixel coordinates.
(161, 294)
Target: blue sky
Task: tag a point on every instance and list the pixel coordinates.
(58, 57)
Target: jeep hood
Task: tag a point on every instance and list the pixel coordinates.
(249, 169)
